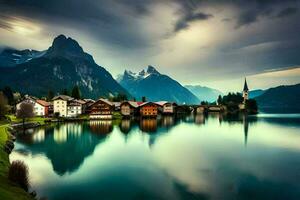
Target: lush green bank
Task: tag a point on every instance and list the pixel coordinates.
(8, 190)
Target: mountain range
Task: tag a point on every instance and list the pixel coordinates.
(156, 87)
(62, 66)
(204, 93)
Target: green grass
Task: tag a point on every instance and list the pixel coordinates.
(14, 119)
(117, 115)
(8, 190)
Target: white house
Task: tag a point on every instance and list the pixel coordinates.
(74, 108)
(166, 107)
(60, 105)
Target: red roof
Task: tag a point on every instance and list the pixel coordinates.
(43, 103)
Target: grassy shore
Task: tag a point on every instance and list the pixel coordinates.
(8, 190)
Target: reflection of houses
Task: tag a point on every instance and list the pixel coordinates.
(101, 126)
(60, 134)
(148, 109)
(166, 107)
(101, 109)
(129, 108)
(148, 125)
(167, 120)
(200, 119)
(125, 125)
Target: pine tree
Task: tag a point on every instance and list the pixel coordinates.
(9, 95)
(50, 95)
(76, 92)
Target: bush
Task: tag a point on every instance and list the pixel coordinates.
(18, 173)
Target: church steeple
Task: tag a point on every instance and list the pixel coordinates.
(245, 86)
(245, 91)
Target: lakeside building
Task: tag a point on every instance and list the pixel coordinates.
(60, 105)
(101, 109)
(40, 107)
(166, 107)
(129, 108)
(149, 109)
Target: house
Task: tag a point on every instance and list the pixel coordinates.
(87, 105)
(148, 109)
(200, 109)
(129, 108)
(214, 108)
(117, 106)
(101, 109)
(60, 105)
(42, 108)
(26, 99)
(74, 108)
(166, 107)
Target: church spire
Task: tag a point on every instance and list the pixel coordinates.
(245, 86)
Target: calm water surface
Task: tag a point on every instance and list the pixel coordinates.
(201, 157)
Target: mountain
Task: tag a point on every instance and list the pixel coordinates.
(204, 93)
(11, 57)
(281, 98)
(62, 66)
(156, 87)
(255, 93)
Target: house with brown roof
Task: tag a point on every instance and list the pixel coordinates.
(101, 109)
(129, 108)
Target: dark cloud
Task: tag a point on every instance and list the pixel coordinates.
(183, 22)
(287, 12)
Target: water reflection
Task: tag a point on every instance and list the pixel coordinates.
(189, 157)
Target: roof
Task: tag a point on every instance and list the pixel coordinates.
(245, 86)
(63, 97)
(74, 102)
(81, 101)
(105, 101)
(145, 103)
(134, 104)
(117, 104)
(43, 103)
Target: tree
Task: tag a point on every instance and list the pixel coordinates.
(50, 95)
(3, 105)
(25, 111)
(64, 92)
(251, 106)
(144, 99)
(9, 95)
(76, 92)
(219, 100)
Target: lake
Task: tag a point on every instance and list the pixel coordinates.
(191, 157)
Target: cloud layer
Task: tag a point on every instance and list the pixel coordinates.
(194, 41)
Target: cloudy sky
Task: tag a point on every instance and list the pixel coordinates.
(212, 43)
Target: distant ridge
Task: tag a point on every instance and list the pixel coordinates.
(204, 93)
(156, 87)
(282, 98)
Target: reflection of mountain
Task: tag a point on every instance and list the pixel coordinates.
(72, 139)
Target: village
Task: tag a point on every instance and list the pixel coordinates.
(64, 106)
